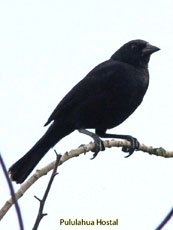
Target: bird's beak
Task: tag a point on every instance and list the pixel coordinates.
(149, 49)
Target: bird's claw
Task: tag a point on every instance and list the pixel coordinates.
(134, 146)
(99, 146)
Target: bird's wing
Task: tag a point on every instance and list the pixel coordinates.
(93, 85)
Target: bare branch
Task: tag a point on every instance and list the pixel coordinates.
(12, 193)
(76, 152)
(43, 200)
(166, 219)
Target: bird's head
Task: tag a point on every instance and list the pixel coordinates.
(135, 52)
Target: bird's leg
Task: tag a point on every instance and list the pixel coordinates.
(134, 142)
(99, 146)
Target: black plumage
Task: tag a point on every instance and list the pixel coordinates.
(106, 97)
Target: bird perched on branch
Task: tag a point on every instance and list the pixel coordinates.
(102, 100)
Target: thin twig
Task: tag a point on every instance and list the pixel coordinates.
(43, 200)
(166, 219)
(12, 194)
(76, 152)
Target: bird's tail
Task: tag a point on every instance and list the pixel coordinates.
(23, 167)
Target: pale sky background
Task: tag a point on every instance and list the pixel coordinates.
(46, 47)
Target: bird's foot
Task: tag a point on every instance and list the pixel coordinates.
(99, 146)
(134, 146)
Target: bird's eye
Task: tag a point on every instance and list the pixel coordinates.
(133, 46)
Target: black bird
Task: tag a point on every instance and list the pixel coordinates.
(102, 100)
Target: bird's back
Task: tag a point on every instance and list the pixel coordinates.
(105, 97)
